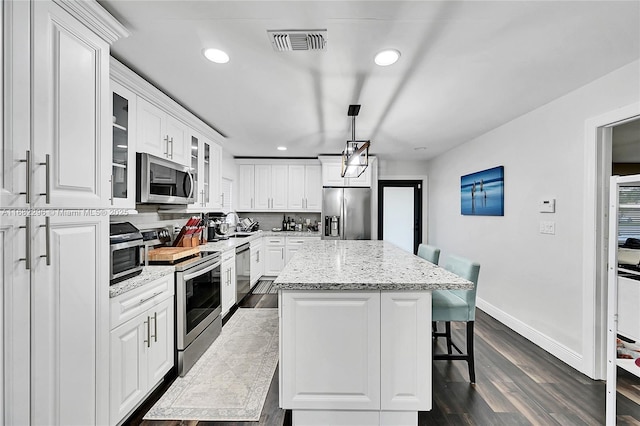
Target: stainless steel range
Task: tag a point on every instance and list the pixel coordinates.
(197, 303)
(198, 308)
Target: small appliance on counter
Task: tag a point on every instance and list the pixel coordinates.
(125, 241)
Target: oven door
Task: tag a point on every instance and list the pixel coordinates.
(126, 260)
(198, 300)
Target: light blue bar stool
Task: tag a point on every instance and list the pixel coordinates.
(457, 305)
(430, 253)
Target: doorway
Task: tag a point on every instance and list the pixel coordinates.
(599, 162)
(400, 213)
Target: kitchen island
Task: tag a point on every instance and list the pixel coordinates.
(355, 333)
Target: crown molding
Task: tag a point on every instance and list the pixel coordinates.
(95, 17)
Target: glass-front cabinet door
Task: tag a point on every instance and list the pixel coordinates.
(123, 174)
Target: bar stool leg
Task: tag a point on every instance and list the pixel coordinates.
(470, 358)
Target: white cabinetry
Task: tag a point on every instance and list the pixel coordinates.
(246, 187)
(206, 162)
(56, 155)
(262, 187)
(142, 344)
(56, 338)
(257, 261)
(372, 346)
(161, 134)
(279, 185)
(58, 97)
(228, 281)
(123, 172)
(332, 170)
(274, 255)
(305, 187)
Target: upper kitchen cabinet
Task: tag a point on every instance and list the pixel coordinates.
(206, 159)
(246, 187)
(279, 185)
(167, 130)
(161, 134)
(262, 187)
(59, 123)
(305, 187)
(123, 174)
(271, 186)
(332, 170)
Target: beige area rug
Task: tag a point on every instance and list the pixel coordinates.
(231, 380)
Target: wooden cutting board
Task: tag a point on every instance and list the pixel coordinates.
(172, 254)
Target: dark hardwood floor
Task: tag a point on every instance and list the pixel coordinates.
(517, 384)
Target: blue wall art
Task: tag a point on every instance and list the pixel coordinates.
(482, 193)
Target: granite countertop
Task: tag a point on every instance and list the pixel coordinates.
(149, 273)
(363, 265)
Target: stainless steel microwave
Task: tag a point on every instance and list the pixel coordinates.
(163, 181)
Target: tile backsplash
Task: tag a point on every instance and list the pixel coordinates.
(267, 221)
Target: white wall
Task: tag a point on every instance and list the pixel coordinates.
(532, 282)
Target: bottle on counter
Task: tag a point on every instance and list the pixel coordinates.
(284, 223)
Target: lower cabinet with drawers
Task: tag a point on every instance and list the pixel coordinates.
(280, 249)
(142, 344)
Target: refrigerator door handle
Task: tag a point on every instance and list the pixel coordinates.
(343, 219)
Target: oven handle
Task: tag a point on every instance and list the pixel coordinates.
(199, 272)
(126, 244)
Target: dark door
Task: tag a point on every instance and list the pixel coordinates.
(400, 213)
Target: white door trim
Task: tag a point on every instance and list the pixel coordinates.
(594, 318)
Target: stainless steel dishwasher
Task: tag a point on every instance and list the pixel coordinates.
(243, 271)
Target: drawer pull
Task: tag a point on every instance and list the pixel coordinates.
(149, 298)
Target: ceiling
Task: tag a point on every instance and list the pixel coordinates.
(466, 67)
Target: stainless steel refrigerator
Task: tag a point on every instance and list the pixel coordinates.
(346, 213)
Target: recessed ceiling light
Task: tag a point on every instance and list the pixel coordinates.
(216, 55)
(387, 57)
(420, 148)
(282, 148)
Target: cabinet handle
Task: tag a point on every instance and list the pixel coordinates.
(202, 197)
(111, 180)
(251, 202)
(148, 298)
(47, 247)
(258, 256)
(282, 251)
(155, 327)
(166, 151)
(148, 339)
(47, 187)
(27, 191)
(222, 199)
(27, 255)
(171, 153)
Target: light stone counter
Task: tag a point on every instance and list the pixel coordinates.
(363, 265)
(149, 273)
(231, 243)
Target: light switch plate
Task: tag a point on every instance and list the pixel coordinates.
(547, 227)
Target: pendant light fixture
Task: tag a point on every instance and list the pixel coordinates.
(355, 157)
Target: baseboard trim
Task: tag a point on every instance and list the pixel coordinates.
(556, 349)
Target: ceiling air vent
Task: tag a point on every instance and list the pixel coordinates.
(288, 40)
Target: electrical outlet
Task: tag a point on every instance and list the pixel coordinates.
(547, 227)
